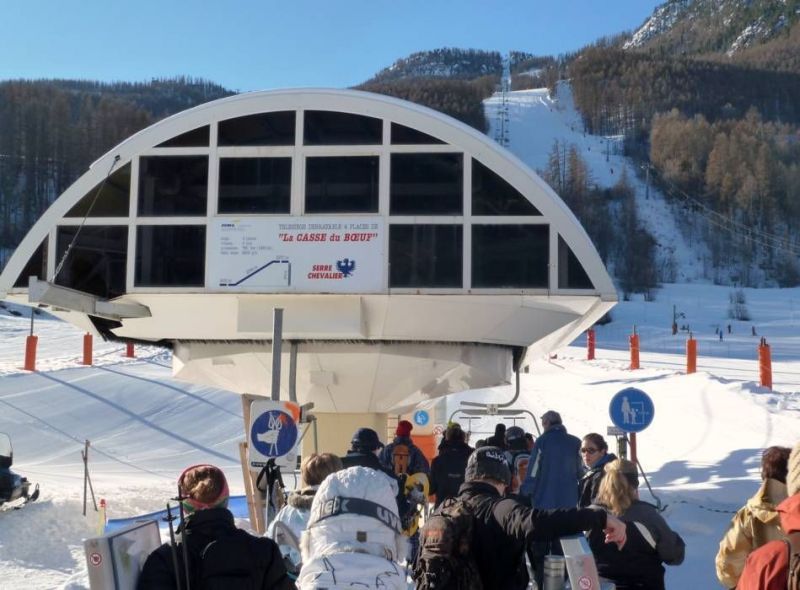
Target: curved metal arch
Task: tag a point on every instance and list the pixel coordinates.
(453, 132)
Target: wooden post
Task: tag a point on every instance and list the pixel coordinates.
(87, 349)
(633, 447)
(691, 355)
(765, 364)
(590, 344)
(85, 457)
(255, 507)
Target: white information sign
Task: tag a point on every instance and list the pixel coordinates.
(297, 254)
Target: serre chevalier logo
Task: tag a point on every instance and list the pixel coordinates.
(346, 266)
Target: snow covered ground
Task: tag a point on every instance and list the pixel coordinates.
(701, 453)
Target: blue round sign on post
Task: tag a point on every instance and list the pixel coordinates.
(631, 409)
(421, 417)
(273, 433)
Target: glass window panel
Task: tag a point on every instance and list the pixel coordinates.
(510, 256)
(425, 256)
(36, 266)
(173, 185)
(333, 128)
(170, 255)
(194, 138)
(427, 184)
(402, 135)
(254, 185)
(493, 195)
(571, 274)
(113, 200)
(97, 262)
(347, 184)
(275, 128)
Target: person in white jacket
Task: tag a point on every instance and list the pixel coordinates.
(354, 538)
(290, 522)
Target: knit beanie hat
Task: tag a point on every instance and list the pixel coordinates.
(203, 487)
(489, 463)
(793, 471)
(404, 428)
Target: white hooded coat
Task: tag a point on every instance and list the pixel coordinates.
(353, 550)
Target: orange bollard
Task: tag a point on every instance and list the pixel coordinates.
(30, 352)
(129, 350)
(765, 364)
(590, 342)
(634, 342)
(691, 356)
(87, 349)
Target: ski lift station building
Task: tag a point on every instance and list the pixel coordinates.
(413, 256)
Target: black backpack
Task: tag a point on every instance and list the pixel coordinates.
(237, 562)
(445, 560)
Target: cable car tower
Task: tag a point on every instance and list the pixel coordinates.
(502, 127)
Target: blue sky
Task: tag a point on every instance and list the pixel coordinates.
(253, 45)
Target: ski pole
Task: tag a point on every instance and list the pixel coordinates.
(174, 549)
(182, 529)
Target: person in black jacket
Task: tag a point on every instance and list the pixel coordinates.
(498, 439)
(504, 527)
(595, 455)
(448, 468)
(219, 554)
(365, 447)
(651, 542)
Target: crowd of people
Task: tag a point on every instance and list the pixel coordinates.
(498, 511)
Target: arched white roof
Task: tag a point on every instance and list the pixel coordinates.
(361, 349)
(454, 133)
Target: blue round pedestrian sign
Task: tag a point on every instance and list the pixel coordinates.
(421, 417)
(273, 433)
(631, 409)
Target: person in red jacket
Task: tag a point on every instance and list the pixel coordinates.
(767, 568)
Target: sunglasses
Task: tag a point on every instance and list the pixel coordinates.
(589, 451)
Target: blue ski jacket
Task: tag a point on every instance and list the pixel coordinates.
(553, 470)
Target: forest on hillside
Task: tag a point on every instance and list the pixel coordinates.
(722, 139)
(461, 99)
(52, 130)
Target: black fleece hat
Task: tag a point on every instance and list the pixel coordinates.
(488, 463)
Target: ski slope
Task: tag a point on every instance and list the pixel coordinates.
(537, 120)
(701, 453)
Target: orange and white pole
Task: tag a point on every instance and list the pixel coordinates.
(634, 345)
(30, 352)
(87, 349)
(30, 349)
(765, 364)
(691, 356)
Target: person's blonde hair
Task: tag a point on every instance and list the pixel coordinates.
(315, 468)
(617, 490)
